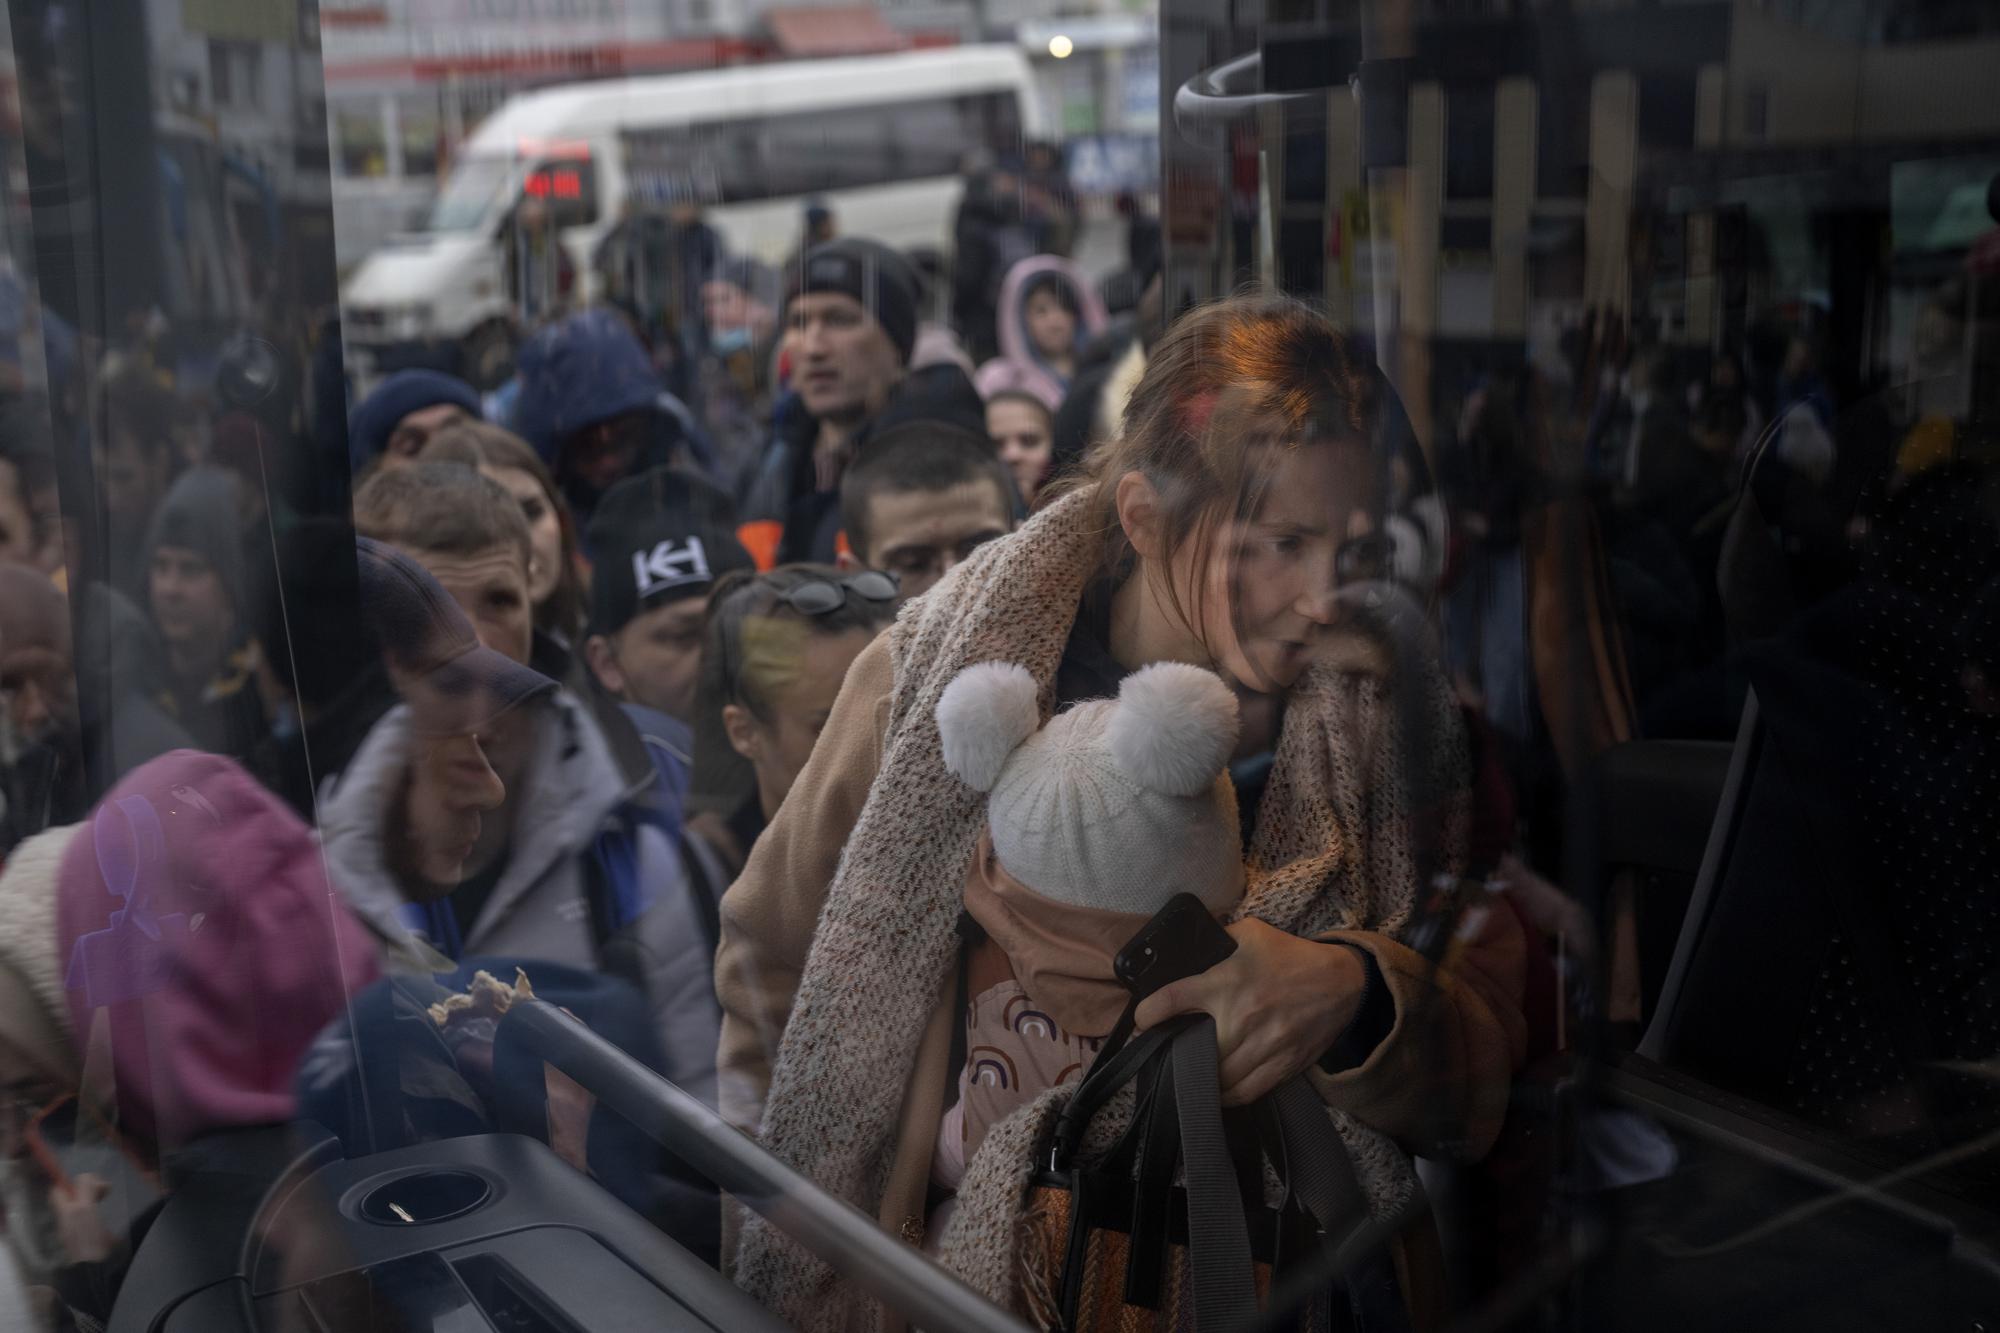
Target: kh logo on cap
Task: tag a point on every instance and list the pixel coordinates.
(670, 564)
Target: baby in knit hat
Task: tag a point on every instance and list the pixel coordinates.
(1093, 822)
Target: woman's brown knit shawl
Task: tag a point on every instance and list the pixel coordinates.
(1333, 850)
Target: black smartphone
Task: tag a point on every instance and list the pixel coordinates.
(1181, 940)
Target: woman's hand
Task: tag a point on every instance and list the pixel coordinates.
(1278, 1002)
(85, 1239)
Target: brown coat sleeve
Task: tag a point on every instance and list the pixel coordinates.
(770, 912)
(1439, 1081)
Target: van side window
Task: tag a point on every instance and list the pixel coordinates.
(831, 150)
(932, 142)
(802, 153)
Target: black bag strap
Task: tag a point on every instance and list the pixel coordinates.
(1318, 1171)
(1106, 1076)
(1153, 1188)
(1219, 1258)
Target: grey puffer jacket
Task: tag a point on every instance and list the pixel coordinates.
(541, 907)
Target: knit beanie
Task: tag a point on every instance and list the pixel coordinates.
(194, 919)
(1116, 804)
(657, 538)
(1002, 378)
(200, 514)
(34, 1015)
(757, 281)
(375, 418)
(873, 274)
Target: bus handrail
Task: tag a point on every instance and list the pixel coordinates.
(1221, 96)
(833, 1229)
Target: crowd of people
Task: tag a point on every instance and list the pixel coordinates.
(594, 673)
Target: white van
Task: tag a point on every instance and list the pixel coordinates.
(881, 139)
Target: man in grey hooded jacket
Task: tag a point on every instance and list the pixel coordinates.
(458, 829)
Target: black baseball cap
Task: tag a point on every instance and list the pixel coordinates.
(657, 538)
(452, 682)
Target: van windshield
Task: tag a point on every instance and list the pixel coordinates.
(469, 194)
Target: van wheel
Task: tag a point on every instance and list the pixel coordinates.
(489, 357)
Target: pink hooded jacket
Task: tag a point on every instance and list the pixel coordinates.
(202, 948)
(1029, 373)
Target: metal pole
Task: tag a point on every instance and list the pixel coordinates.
(835, 1230)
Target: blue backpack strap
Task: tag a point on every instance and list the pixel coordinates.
(436, 922)
(618, 894)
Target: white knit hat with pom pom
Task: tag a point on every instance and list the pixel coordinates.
(1117, 803)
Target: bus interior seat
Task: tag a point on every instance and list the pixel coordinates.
(1657, 801)
(1794, 1063)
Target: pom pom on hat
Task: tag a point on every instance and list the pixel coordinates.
(1116, 804)
(983, 716)
(1173, 728)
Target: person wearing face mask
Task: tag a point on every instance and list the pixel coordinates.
(849, 334)
(740, 304)
(1218, 531)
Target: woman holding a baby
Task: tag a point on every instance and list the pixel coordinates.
(966, 851)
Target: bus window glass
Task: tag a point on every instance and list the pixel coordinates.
(781, 537)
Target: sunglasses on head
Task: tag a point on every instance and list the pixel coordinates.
(817, 596)
(823, 596)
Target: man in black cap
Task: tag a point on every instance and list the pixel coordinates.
(849, 333)
(661, 541)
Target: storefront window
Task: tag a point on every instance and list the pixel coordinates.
(361, 146)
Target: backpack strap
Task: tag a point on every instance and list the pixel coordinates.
(617, 895)
(611, 884)
(705, 883)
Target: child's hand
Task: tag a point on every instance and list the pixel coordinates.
(85, 1238)
(1278, 1002)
